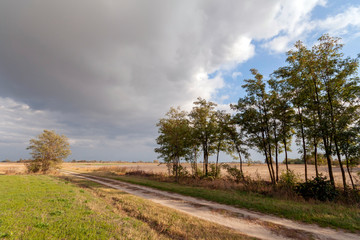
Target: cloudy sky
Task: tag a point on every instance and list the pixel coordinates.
(104, 72)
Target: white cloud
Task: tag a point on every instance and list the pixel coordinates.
(104, 69)
(339, 24)
(235, 75)
(300, 25)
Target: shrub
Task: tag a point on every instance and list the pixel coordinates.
(183, 172)
(295, 161)
(318, 188)
(234, 173)
(288, 178)
(213, 171)
(33, 166)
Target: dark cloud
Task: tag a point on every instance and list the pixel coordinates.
(112, 68)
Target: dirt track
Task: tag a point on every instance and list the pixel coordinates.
(247, 222)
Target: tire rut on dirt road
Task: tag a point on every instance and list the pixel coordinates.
(250, 223)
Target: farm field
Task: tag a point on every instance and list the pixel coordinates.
(253, 170)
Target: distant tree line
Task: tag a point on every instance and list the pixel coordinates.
(314, 98)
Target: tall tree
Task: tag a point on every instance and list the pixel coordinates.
(175, 138)
(222, 135)
(254, 115)
(283, 115)
(236, 136)
(203, 119)
(323, 86)
(340, 87)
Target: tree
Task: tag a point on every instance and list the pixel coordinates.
(255, 118)
(325, 94)
(283, 113)
(175, 138)
(236, 136)
(48, 151)
(222, 133)
(203, 118)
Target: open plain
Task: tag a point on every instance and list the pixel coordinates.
(255, 171)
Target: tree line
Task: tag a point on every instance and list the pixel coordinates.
(314, 98)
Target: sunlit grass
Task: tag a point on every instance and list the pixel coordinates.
(42, 207)
(324, 214)
(167, 222)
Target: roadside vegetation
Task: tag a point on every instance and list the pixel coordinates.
(314, 99)
(256, 195)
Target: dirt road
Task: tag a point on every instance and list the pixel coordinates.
(247, 222)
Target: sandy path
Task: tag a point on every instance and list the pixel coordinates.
(247, 222)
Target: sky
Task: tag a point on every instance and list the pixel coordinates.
(103, 72)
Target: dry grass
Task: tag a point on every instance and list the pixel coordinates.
(12, 168)
(255, 171)
(112, 169)
(166, 222)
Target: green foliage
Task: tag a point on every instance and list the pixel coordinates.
(175, 140)
(48, 151)
(288, 178)
(183, 172)
(234, 173)
(213, 172)
(205, 126)
(295, 161)
(318, 188)
(315, 97)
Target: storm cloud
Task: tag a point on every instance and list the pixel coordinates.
(105, 71)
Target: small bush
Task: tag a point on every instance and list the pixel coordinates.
(288, 178)
(319, 188)
(295, 161)
(234, 173)
(213, 171)
(33, 167)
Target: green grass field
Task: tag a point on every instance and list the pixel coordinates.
(42, 207)
(46, 207)
(324, 214)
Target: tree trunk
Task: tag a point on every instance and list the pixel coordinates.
(195, 163)
(303, 143)
(348, 170)
(276, 154)
(240, 158)
(270, 156)
(333, 131)
(315, 158)
(340, 163)
(324, 133)
(206, 158)
(217, 159)
(286, 156)
(267, 158)
(177, 169)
